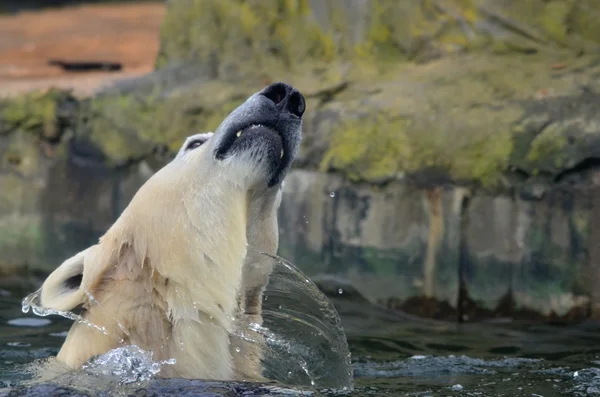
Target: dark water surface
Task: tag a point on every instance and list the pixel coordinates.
(392, 354)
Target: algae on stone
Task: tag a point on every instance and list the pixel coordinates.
(227, 35)
(128, 126)
(233, 39)
(39, 112)
(472, 118)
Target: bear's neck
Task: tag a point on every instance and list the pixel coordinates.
(196, 243)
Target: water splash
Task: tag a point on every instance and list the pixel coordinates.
(277, 343)
(129, 363)
(305, 342)
(31, 302)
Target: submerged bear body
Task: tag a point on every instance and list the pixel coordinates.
(173, 274)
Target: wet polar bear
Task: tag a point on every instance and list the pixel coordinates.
(262, 234)
(168, 275)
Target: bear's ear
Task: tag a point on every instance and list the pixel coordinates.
(61, 290)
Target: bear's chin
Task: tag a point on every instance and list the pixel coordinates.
(261, 146)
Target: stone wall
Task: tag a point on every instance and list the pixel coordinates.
(460, 141)
(447, 251)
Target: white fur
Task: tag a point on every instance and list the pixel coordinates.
(167, 274)
(172, 274)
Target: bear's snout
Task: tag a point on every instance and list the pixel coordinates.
(286, 98)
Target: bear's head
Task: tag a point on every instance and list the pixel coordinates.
(196, 208)
(255, 145)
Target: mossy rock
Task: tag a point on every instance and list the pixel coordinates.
(44, 113)
(128, 125)
(235, 39)
(472, 119)
(468, 118)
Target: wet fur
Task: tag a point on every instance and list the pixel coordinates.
(263, 236)
(155, 293)
(172, 275)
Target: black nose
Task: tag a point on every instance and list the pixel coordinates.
(286, 98)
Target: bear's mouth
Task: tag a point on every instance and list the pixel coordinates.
(268, 139)
(231, 142)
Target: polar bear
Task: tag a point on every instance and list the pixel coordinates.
(168, 274)
(262, 233)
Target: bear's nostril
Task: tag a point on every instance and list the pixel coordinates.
(286, 98)
(296, 104)
(275, 92)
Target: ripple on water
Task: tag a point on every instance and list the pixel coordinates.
(18, 344)
(587, 382)
(62, 334)
(29, 322)
(424, 366)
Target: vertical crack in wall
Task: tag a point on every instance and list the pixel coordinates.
(463, 257)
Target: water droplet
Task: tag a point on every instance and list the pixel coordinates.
(332, 194)
(130, 364)
(340, 291)
(91, 297)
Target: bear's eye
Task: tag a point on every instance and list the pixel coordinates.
(194, 144)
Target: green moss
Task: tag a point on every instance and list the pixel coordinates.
(554, 20)
(130, 126)
(227, 31)
(370, 149)
(547, 148)
(583, 20)
(267, 38)
(35, 112)
(379, 147)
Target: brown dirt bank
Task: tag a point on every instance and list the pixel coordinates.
(123, 33)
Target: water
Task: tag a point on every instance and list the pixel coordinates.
(392, 354)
